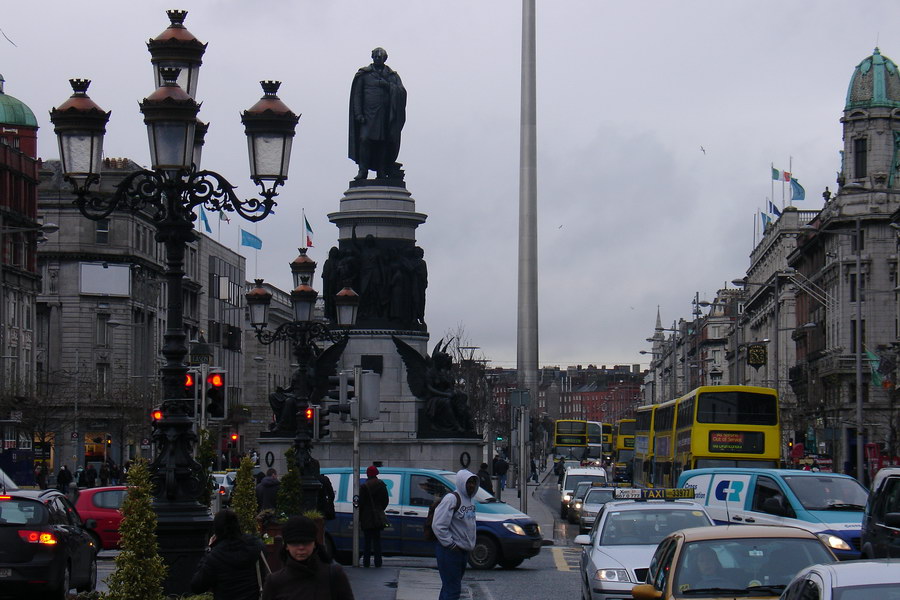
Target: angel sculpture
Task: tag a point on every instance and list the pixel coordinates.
(308, 385)
(430, 378)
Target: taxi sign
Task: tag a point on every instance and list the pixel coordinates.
(654, 494)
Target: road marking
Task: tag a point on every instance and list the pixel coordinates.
(566, 559)
(560, 559)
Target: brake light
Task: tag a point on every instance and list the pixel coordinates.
(222, 491)
(37, 537)
(5, 497)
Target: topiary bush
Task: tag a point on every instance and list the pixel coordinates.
(289, 500)
(243, 497)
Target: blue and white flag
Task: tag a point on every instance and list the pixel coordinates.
(774, 209)
(797, 191)
(204, 220)
(250, 240)
(766, 220)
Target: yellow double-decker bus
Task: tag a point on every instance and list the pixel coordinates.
(570, 435)
(642, 469)
(623, 448)
(664, 444)
(727, 426)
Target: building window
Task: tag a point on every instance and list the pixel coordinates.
(860, 148)
(102, 232)
(102, 329)
(102, 379)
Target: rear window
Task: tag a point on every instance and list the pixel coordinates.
(22, 512)
(110, 499)
(598, 496)
(648, 527)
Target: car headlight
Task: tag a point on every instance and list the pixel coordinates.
(514, 528)
(833, 541)
(620, 575)
(567, 497)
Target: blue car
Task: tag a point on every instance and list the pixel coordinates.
(505, 536)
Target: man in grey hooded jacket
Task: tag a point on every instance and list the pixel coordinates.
(454, 527)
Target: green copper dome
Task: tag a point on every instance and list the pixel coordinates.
(875, 82)
(14, 111)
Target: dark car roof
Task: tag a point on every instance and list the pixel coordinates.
(33, 494)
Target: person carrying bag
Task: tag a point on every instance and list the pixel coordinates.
(373, 500)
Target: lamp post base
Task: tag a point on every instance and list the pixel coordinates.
(182, 531)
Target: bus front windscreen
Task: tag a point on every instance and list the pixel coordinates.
(744, 408)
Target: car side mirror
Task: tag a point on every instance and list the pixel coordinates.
(892, 519)
(582, 539)
(645, 591)
(774, 506)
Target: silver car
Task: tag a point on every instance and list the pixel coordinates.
(591, 505)
(616, 555)
(851, 580)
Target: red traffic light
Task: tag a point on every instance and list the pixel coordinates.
(189, 380)
(234, 437)
(156, 414)
(310, 413)
(216, 380)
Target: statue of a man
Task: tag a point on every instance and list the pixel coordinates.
(377, 115)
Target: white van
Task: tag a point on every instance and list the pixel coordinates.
(574, 476)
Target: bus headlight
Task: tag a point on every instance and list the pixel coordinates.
(620, 575)
(514, 528)
(833, 541)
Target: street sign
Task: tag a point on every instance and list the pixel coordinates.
(520, 398)
(74, 435)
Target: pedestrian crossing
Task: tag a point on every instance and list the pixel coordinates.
(566, 558)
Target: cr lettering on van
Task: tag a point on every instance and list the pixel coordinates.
(731, 488)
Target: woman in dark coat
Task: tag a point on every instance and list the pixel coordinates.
(373, 499)
(232, 567)
(308, 574)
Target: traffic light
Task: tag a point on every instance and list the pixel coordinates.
(322, 423)
(309, 416)
(109, 440)
(156, 415)
(233, 440)
(216, 406)
(190, 385)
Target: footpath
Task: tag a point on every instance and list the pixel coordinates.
(417, 578)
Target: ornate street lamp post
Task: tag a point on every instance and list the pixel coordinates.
(168, 193)
(309, 383)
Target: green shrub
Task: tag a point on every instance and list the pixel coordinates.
(243, 497)
(289, 500)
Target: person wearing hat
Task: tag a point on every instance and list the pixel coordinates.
(308, 573)
(454, 529)
(231, 568)
(373, 500)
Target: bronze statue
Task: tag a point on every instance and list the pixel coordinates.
(377, 115)
(430, 378)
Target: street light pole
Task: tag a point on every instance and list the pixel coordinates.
(168, 194)
(858, 334)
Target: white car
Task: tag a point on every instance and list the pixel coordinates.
(850, 580)
(593, 502)
(571, 479)
(616, 555)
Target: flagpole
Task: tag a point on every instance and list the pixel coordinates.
(773, 180)
(303, 225)
(791, 171)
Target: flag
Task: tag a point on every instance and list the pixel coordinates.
(224, 217)
(874, 363)
(766, 220)
(309, 233)
(204, 220)
(797, 191)
(780, 175)
(248, 239)
(774, 209)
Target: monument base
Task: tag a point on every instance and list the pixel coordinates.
(450, 454)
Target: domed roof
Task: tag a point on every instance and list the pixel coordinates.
(13, 111)
(875, 82)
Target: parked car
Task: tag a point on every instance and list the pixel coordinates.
(102, 504)
(730, 562)
(45, 548)
(881, 520)
(504, 536)
(830, 505)
(851, 580)
(616, 554)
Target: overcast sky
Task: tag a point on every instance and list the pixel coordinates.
(632, 214)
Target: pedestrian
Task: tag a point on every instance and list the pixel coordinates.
(232, 567)
(534, 472)
(484, 479)
(104, 474)
(373, 500)
(560, 469)
(454, 529)
(307, 572)
(90, 476)
(325, 499)
(63, 479)
(79, 477)
(40, 476)
(267, 490)
(500, 469)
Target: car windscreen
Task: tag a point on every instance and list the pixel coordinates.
(19, 511)
(648, 527)
(573, 480)
(741, 564)
(825, 492)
